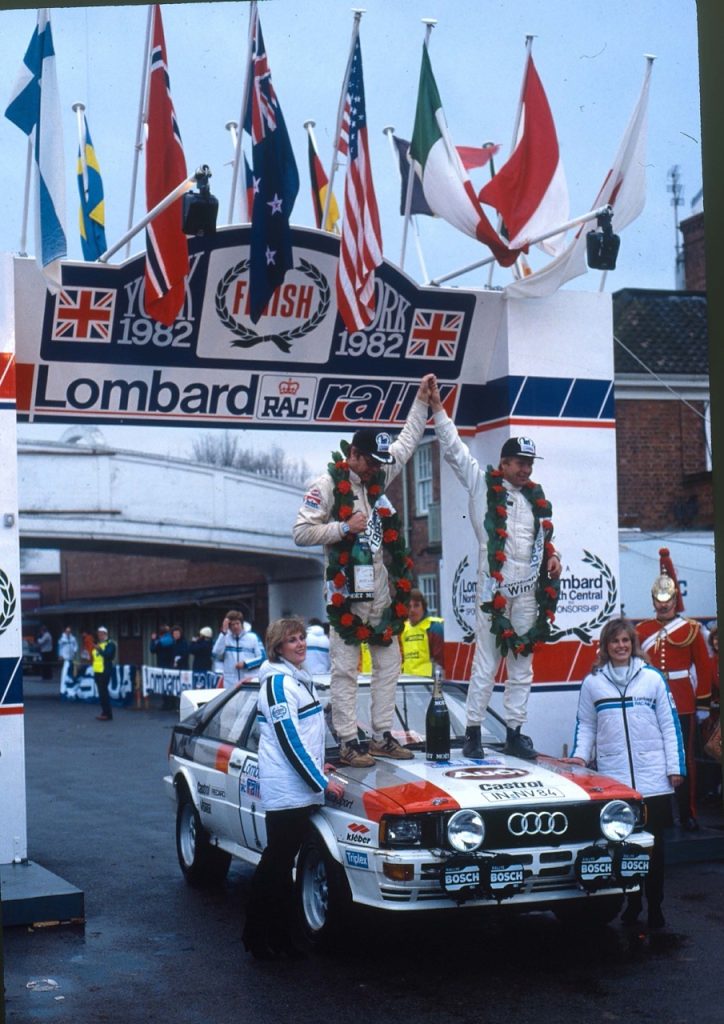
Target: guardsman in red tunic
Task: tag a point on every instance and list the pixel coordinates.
(676, 645)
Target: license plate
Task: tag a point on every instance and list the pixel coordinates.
(510, 874)
(465, 876)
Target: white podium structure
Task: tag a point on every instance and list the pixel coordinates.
(551, 379)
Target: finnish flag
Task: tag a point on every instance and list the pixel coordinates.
(35, 108)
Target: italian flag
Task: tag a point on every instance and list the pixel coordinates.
(448, 190)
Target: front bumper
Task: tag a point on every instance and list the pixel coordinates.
(432, 879)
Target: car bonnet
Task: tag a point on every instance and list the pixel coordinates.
(420, 786)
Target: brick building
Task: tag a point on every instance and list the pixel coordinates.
(416, 495)
(662, 410)
(134, 594)
(692, 230)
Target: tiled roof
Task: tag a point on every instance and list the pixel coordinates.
(666, 329)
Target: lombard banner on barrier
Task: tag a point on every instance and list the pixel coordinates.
(91, 353)
(171, 681)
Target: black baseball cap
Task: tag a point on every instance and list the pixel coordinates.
(518, 446)
(375, 444)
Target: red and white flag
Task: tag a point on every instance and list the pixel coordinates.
(530, 191)
(167, 254)
(360, 250)
(624, 188)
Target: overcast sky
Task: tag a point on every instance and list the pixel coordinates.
(589, 56)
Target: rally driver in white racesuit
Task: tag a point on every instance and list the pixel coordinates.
(370, 451)
(524, 553)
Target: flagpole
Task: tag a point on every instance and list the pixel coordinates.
(599, 212)
(232, 128)
(26, 199)
(253, 13)
(309, 129)
(516, 128)
(358, 12)
(79, 109)
(181, 189)
(142, 116)
(429, 24)
(389, 131)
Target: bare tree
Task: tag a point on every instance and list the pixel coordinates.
(222, 448)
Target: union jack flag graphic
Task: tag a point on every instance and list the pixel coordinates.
(434, 335)
(83, 314)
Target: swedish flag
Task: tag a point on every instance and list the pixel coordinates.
(92, 209)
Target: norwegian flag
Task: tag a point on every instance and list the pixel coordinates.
(167, 254)
(360, 250)
(83, 314)
(434, 335)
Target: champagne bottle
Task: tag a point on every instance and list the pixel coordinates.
(361, 573)
(437, 723)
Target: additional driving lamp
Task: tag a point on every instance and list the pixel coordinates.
(200, 208)
(602, 245)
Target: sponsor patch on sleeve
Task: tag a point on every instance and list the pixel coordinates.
(279, 712)
(313, 498)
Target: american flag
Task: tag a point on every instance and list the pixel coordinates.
(361, 245)
(83, 314)
(167, 254)
(434, 334)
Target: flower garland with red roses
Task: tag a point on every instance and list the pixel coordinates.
(349, 625)
(546, 591)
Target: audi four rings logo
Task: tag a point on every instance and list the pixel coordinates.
(547, 823)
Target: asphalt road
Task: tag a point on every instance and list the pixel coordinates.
(153, 950)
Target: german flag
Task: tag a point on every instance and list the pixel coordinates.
(320, 184)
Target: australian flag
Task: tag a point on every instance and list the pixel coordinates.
(275, 178)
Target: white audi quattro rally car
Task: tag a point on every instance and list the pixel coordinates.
(411, 835)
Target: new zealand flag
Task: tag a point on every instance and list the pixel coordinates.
(276, 181)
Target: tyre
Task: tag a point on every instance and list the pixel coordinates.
(589, 911)
(323, 895)
(201, 863)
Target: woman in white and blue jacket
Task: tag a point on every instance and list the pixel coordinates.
(627, 724)
(292, 779)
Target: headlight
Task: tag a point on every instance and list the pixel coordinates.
(401, 831)
(617, 820)
(465, 831)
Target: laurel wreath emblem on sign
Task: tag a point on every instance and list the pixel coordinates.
(9, 602)
(584, 632)
(468, 633)
(246, 337)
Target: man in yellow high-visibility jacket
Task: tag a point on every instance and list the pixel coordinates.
(102, 655)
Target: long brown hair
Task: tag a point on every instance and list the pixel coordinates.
(609, 631)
